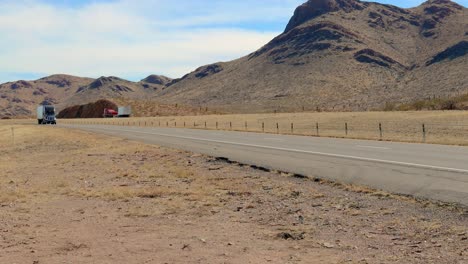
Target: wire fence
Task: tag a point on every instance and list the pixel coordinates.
(449, 132)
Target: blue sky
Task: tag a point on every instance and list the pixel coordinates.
(135, 38)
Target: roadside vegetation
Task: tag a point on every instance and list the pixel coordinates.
(453, 103)
(68, 195)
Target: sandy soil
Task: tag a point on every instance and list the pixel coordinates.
(442, 127)
(76, 197)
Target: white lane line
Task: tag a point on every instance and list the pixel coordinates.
(424, 166)
(372, 147)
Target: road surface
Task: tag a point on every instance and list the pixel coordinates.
(434, 172)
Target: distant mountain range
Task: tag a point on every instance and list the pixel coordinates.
(21, 98)
(333, 55)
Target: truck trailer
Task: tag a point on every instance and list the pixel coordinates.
(124, 111)
(46, 115)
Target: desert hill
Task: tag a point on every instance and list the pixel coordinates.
(333, 55)
(341, 55)
(21, 98)
(112, 87)
(156, 79)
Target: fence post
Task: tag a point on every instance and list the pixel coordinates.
(216, 125)
(317, 127)
(194, 124)
(205, 124)
(13, 135)
(184, 123)
(277, 128)
(175, 124)
(167, 123)
(263, 126)
(346, 128)
(381, 132)
(230, 125)
(424, 132)
(292, 128)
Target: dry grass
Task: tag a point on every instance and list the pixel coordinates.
(125, 192)
(141, 108)
(442, 127)
(75, 191)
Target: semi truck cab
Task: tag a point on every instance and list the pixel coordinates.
(46, 115)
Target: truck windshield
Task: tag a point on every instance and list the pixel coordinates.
(49, 110)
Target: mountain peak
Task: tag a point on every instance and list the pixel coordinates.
(439, 2)
(447, 3)
(157, 79)
(315, 8)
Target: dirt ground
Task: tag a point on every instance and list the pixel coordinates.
(441, 127)
(75, 197)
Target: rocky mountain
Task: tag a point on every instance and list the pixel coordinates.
(341, 55)
(22, 97)
(333, 55)
(156, 79)
(111, 87)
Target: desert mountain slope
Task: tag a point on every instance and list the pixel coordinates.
(333, 55)
(21, 98)
(341, 55)
(157, 79)
(111, 87)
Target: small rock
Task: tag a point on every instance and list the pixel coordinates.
(301, 219)
(327, 245)
(186, 247)
(291, 236)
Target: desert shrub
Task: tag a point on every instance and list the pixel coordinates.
(389, 106)
(448, 105)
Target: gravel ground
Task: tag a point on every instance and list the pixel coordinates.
(68, 196)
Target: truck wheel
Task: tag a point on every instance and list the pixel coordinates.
(39, 122)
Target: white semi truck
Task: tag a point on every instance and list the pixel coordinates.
(46, 115)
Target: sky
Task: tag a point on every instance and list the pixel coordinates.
(135, 38)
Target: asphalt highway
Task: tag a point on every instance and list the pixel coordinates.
(434, 172)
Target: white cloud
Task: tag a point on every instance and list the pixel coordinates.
(132, 38)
